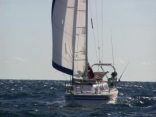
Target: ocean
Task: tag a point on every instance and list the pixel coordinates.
(45, 98)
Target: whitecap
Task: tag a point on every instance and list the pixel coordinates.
(12, 89)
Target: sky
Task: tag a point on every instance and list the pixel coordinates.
(26, 38)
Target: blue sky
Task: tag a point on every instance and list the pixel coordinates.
(26, 38)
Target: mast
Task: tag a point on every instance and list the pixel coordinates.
(86, 39)
(74, 31)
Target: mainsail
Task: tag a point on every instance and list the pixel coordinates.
(69, 36)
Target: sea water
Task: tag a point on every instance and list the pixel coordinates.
(45, 98)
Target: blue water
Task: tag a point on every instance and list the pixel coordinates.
(39, 98)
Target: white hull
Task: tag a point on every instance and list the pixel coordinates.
(91, 98)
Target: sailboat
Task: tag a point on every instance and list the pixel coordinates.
(70, 55)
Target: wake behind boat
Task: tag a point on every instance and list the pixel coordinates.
(70, 56)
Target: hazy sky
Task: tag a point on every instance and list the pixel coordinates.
(26, 38)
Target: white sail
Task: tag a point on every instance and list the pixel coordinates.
(69, 36)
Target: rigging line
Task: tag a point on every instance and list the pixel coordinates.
(64, 76)
(112, 47)
(93, 31)
(97, 29)
(102, 31)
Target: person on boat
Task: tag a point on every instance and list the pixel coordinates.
(113, 80)
(90, 72)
